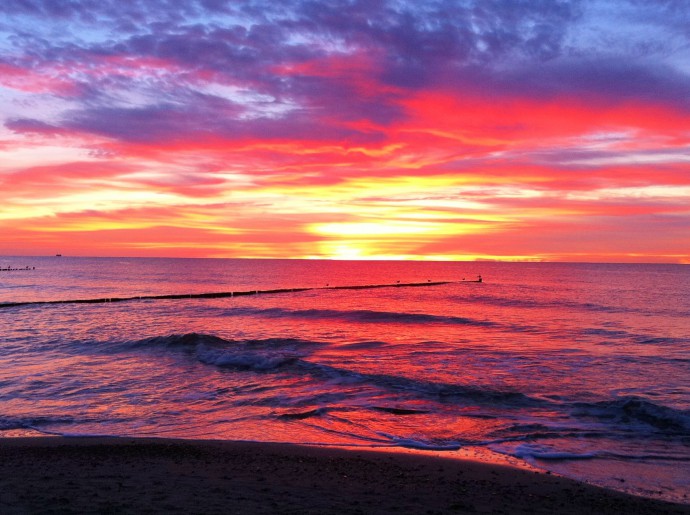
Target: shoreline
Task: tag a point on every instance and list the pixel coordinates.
(134, 475)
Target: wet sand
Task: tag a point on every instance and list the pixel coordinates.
(127, 475)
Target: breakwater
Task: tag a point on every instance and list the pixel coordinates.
(218, 295)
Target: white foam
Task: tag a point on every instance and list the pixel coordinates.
(544, 453)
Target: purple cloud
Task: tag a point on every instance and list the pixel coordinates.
(506, 48)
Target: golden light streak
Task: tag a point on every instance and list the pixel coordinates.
(88, 226)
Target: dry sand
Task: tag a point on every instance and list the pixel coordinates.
(126, 475)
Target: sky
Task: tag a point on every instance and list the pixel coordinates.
(554, 130)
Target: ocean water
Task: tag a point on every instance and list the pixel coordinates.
(580, 369)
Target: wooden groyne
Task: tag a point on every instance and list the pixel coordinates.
(10, 269)
(219, 295)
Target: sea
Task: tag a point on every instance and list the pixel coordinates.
(581, 370)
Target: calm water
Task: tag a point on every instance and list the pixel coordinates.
(579, 369)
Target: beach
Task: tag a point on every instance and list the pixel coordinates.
(130, 475)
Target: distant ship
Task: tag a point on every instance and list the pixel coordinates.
(58, 255)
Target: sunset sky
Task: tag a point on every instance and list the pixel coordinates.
(361, 129)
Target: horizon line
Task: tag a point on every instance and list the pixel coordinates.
(367, 259)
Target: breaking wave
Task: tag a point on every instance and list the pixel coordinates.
(290, 356)
(632, 411)
(258, 355)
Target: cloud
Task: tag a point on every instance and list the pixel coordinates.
(327, 63)
(502, 114)
(28, 126)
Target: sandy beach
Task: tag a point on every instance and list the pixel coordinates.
(127, 475)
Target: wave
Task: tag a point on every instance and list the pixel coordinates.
(8, 423)
(278, 355)
(258, 355)
(641, 339)
(540, 304)
(333, 386)
(413, 443)
(400, 411)
(447, 393)
(43, 424)
(178, 340)
(358, 315)
(363, 316)
(631, 410)
(245, 360)
(535, 431)
(366, 345)
(532, 303)
(323, 411)
(301, 415)
(544, 453)
(630, 414)
(563, 450)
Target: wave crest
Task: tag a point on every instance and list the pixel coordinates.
(359, 316)
(258, 355)
(632, 410)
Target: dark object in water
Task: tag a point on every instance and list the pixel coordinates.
(217, 295)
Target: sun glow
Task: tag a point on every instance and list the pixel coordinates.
(374, 229)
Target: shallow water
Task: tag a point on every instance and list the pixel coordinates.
(576, 368)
